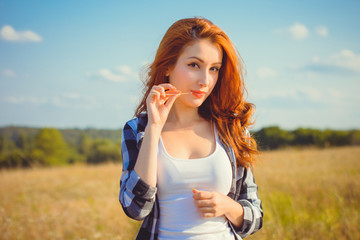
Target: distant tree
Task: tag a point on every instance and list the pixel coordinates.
(305, 136)
(22, 142)
(50, 148)
(15, 158)
(6, 145)
(103, 150)
(84, 144)
(10, 155)
(339, 138)
(3, 143)
(273, 137)
(355, 137)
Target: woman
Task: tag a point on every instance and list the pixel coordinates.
(187, 155)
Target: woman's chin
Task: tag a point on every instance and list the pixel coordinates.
(198, 103)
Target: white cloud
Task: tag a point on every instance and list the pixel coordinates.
(299, 31)
(8, 33)
(322, 31)
(315, 59)
(8, 73)
(66, 100)
(345, 59)
(265, 72)
(314, 94)
(305, 94)
(128, 72)
(109, 75)
(125, 69)
(72, 95)
(119, 74)
(75, 101)
(21, 100)
(335, 94)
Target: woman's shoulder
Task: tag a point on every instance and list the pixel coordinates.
(137, 124)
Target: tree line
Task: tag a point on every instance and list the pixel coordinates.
(29, 147)
(273, 137)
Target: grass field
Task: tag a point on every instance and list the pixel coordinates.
(306, 194)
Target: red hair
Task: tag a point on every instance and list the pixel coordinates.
(225, 106)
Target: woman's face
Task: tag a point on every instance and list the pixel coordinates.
(196, 71)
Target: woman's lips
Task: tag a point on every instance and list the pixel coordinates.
(198, 94)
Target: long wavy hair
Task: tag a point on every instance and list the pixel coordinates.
(226, 105)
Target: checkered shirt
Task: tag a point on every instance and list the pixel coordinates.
(139, 200)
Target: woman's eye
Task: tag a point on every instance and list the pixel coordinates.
(194, 65)
(214, 69)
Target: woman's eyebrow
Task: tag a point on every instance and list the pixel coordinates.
(202, 61)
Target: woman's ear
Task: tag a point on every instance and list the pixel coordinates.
(167, 72)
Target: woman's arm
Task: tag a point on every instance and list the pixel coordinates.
(234, 213)
(136, 196)
(244, 213)
(248, 198)
(146, 165)
(138, 179)
(158, 104)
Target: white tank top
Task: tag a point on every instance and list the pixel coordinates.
(179, 216)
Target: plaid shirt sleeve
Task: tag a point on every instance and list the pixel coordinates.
(249, 199)
(136, 196)
(244, 191)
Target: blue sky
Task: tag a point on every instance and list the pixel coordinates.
(77, 63)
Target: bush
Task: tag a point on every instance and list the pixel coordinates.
(50, 148)
(103, 150)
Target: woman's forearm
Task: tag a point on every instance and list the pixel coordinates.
(146, 164)
(235, 213)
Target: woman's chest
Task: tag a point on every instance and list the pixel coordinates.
(189, 144)
(178, 176)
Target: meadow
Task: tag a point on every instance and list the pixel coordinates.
(306, 194)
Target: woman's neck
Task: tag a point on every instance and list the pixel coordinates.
(183, 117)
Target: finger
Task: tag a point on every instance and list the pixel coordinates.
(208, 215)
(203, 195)
(154, 95)
(204, 203)
(206, 210)
(159, 89)
(170, 92)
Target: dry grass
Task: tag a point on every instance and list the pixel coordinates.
(75, 202)
(310, 194)
(307, 194)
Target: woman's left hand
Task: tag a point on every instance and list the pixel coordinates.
(211, 204)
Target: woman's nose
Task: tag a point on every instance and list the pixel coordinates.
(204, 79)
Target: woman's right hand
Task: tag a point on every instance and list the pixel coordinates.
(159, 102)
